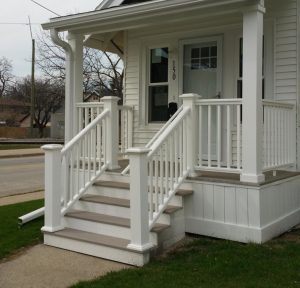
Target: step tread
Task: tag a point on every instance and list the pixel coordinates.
(107, 219)
(93, 238)
(106, 200)
(100, 218)
(126, 186)
(120, 202)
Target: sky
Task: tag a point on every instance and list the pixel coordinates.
(15, 43)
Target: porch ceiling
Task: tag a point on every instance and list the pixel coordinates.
(144, 15)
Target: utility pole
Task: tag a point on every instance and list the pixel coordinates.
(32, 106)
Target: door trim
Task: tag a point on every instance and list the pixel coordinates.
(182, 43)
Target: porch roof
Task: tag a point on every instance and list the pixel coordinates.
(143, 14)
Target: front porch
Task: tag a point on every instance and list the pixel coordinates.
(219, 166)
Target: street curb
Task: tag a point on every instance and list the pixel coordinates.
(21, 155)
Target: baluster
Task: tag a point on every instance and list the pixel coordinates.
(94, 143)
(161, 172)
(176, 154)
(219, 136)
(181, 149)
(209, 135)
(200, 136)
(238, 136)
(156, 183)
(171, 147)
(229, 144)
(89, 154)
(166, 169)
(71, 175)
(77, 167)
(86, 117)
(151, 187)
(80, 119)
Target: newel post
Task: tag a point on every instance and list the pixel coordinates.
(139, 217)
(189, 100)
(52, 188)
(112, 131)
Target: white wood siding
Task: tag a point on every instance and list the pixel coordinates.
(285, 41)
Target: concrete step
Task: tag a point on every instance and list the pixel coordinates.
(97, 245)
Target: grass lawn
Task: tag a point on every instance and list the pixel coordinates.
(18, 146)
(214, 263)
(12, 237)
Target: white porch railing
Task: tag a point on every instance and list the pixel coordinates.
(217, 120)
(84, 160)
(167, 165)
(88, 111)
(279, 135)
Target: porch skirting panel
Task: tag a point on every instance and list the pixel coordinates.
(243, 213)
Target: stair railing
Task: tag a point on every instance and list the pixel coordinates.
(155, 137)
(157, 171)
(84, 160)
(71, 170)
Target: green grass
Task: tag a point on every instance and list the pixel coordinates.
(18, 146)
(214, 263)
(13, 238)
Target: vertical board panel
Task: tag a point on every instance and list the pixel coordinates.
(242, 206)
(219, 203)
(208, 201)
(230, 205)
(254, 207)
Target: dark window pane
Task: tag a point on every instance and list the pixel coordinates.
(159, 65)
(241, 58)
(205, 63)
(158, 104)
(205, 52)
(213, 63)
(195, 64)
(195, 53)
(240, 89)
(213, 51)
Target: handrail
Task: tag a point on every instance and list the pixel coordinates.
(84, 160)
(167, 165)
(83, 132)
(167, 132)
(230, 101)
(89, 104)
(163, 128)
(278, 104)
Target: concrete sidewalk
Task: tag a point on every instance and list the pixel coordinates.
(48, 267)
(13, 153)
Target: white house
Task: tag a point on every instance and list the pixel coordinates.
(225, 164)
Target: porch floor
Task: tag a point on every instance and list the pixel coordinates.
(228, 178)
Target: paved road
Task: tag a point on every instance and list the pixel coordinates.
(21, 175)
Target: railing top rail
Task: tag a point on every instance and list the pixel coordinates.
(89, 104)
(160, 140)
(278, 104)
(125, 108)
(164, 127)
(231, 101)
(84, 131)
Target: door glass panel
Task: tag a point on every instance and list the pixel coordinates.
(158, 103)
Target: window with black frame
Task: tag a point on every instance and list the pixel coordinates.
(158, 86)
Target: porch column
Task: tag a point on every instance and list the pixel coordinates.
(76, 43)
(112, 131)
(252, 94)
(189, 100)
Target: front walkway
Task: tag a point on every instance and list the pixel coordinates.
(46, 267)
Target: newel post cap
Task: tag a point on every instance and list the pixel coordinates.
(52, 147)
(138, 150)
(190, 96)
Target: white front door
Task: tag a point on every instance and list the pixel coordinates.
(202, 74)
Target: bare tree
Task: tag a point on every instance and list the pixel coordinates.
(49, 98)
(5, 75)
(102, 71)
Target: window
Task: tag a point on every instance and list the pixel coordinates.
(204, 58)
(158, 86)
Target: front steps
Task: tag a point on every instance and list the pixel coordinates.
(99, 224)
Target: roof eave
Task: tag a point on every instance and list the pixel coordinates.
(124, 14)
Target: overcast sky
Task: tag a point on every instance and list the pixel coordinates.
(15, 43)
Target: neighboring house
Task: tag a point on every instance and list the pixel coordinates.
(225, 165)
